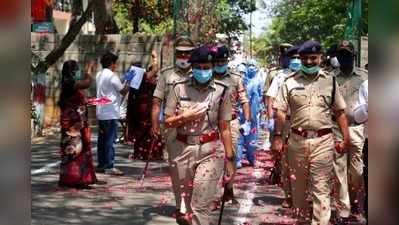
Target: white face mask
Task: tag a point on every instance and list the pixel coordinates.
(182, 63)
(334, 62)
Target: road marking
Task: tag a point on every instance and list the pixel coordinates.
(247, 203)
(45, 169)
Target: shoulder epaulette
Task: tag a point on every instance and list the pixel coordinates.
(167, 69)
(274, 69)
(221, 83)
(362, 72)
(181, 81)
(235, 74)
(291, 75)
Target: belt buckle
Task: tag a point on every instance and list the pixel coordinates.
(311, 134)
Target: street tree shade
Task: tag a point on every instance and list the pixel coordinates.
(104, 19)
(66, 41)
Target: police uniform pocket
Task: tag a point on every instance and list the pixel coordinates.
(298, 99)
(183, 105)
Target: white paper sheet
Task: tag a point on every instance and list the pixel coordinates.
(138, 77)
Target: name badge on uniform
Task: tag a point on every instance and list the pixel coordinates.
(296, 89)
(184, 98)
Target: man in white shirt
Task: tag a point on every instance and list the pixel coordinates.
(361, 111)
(110, 86)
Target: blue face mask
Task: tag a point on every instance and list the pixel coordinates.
(295, 64)
(310, 70)
(220, 69)
(202, 76)
(251, 72)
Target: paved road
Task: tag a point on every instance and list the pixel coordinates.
(125, 200)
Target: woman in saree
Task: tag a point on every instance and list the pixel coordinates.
(77, 169)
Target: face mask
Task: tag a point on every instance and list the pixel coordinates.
(182, 63)
(310, 70)
(334, 62)
(220, 69)
(78, 75)
(202, 76)
(295, 64)
(251, 72)
(346, 64)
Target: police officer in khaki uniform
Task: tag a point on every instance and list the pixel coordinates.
(184, 47)
(281, 161)
(168, 77)
(312, 97)
(238, 96)
(348, 167)
(283, 65)
(200, 109)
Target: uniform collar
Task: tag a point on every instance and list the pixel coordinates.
(224, 75)
(180, 72)
(197, 85)
(321, 73)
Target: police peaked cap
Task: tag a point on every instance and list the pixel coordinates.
(201, 55)
(293, 51)
(346, 46)
(310, 47)
(222, 53)
(184, 43)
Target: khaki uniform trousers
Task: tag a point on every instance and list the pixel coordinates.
(312, 168)
(348, 173)
(170, 137)
(285, 164)
(196, 169)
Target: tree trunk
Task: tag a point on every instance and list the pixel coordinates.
(70, 36)
(136, 16)
(77, 10)
(103, 18)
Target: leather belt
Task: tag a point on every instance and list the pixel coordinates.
(312, 133)
(199, 139)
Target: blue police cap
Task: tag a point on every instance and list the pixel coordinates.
(201, 55)
(222, 53)
(310, 47)
(293, 50)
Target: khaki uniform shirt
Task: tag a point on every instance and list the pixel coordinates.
(188, 92)
(165, 82)
(236, 89)
(310, 101)
(349, 87)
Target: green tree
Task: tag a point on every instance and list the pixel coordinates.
(150, 16)
(201, 19)
(295, 21)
